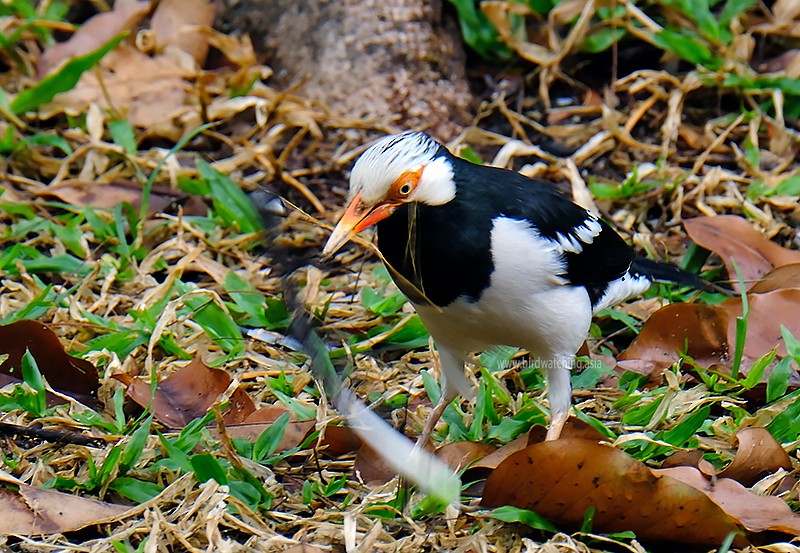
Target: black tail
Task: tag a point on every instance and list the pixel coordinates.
(660, 271)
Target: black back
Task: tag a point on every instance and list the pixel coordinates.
(444, 251)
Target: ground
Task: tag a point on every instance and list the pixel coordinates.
(128, 240)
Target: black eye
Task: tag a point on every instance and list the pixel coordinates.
(405, 189)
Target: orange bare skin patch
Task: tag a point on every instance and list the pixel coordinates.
(403, 187)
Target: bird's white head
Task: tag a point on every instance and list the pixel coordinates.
(398, 169)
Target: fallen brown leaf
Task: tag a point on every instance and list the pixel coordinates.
(733, 238)
(176, 22)
(683, 458)
(108, 195)
(768, 312)
(187, 394)
(756, 513)
(574, 428)
(150, 92)
(338, 440)
(785, 276)
(191, 391)
(29, 511)
(561, 479)
(701, 331)
(261, 419)
(296, 432)
(758, 455)
(94, 32)
(493, 459)
(707, 332)
(371, 467)
(459, 455)
(71, 375)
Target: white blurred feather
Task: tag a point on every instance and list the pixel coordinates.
(418, 465)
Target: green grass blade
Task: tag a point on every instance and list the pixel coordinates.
(267, 442)
(685, 46)
(122, 134)
(214, 320)
(33, 378)
(206, 467)
(135, 446)
(778, 379)
(229, 201)
(62, 80)
(507, 513)
(135, 489)
(741, 325)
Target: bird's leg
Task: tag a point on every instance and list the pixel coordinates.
(559, 393)
(453, 382)
(445, 399)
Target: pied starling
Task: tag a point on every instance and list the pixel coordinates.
(490, 257)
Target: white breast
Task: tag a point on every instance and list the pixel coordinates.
(527, 303)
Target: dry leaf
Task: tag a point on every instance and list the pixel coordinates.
(372, 468)
(561, 479)
(459, 455)
(191, 391)
(733, 238)
(259, 420)
(785, 276)
(701, 331)
(108, 195)
(150, 92)
(338, 440)
(757, 513)
(29, 511)
(706, 332)
(768, 312)
(574, 428)
(71, 375)
(95, 32)
(296, 432)
(187, 394)
(759, 455)
(176, 22)
(493, 459)
(683, 458)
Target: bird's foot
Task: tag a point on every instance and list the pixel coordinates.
(556, 426)
(424, 440)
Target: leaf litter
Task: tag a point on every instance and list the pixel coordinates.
(131, 317)
(707, 334)
(37, 511)
(66, 373)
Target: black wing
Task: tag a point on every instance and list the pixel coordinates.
(445, 251)
(595, 262)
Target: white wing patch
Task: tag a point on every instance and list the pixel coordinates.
(585, 233)
(625, 287)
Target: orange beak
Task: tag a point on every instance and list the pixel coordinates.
(355, 219)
